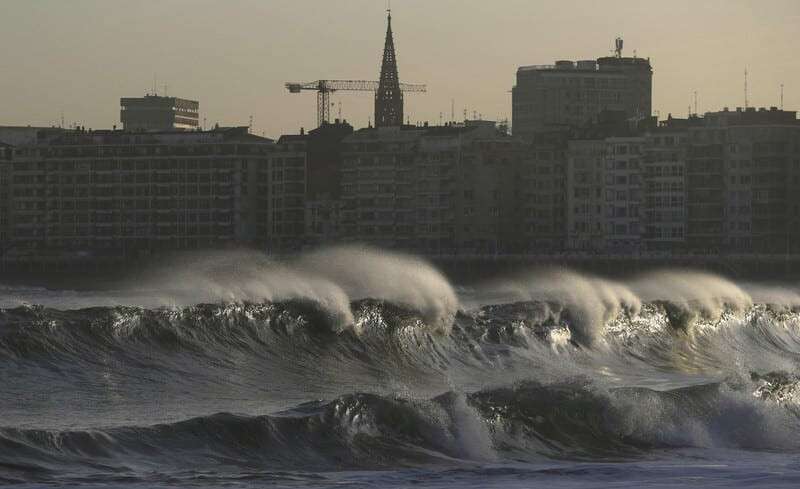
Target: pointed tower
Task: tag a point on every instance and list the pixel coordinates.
(389, 98)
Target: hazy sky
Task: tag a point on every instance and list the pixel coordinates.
(81, 56)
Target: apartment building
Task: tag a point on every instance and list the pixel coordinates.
(539, 189)
(623, 188)
(282, 194)
(435, 190)
(664, 207)
(743, 182)
(157, 113)
(585, 195)
(112, 196)
(573, 94)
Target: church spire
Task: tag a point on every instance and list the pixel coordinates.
(389, 98)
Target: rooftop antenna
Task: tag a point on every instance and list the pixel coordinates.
(250, 126)
(441, 116)
(340, 110)
(746, 101)
(695, 102)
(452, 109)
(618, 43)
(781, 96)
(155, 90)
(62, 118)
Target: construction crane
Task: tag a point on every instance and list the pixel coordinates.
(324, 88)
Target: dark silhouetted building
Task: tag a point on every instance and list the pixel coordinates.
(156, 113)
(113, 196)
(572, 94)
(434, 190)
(743, 182)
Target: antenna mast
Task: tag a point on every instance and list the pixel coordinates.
(781, 96)
(695, 102)
(746, 101)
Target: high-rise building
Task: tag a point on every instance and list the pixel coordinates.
(81, 196)
(572, 94)
(585, 195)
(389, 97)
(743, 182)
(282, 193)
(664, 206)
(434, 190)
(156, 113)
(539, 191)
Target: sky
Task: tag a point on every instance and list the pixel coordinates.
(78, 57)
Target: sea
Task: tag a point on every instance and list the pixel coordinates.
(358, 367)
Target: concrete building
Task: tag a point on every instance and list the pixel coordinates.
(539, 189)
(604, 185)
(157, 113)
(743, 182)
(664, 209)
(572, 94)
(433, 190)
(585, 195)
(114, 196)
(623, 189)
(323, 198)
(21, 135)
(282, 194)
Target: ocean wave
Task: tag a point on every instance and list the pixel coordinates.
(572, 419)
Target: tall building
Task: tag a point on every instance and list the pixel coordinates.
(572, 94)
(539, 191)
(623, 189)
(664, 207)
(434, 190)
(389, 97)
(585, 195)
(324, 188)
(156, 113)
(282, 193)
(743, 182)
(111, 196)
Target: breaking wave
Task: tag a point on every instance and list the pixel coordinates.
(527, 421)
(352, 358)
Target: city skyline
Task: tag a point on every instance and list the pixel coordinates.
(235, 58)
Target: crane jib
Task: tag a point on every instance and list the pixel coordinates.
(325, 87)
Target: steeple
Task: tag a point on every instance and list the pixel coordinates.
(389, 98)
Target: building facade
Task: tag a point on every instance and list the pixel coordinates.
(114, 196)
(743, 182)
(156, 113)
(434, 190)
(572, 94)
(664, 207)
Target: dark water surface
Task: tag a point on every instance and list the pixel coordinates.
(354, 368)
